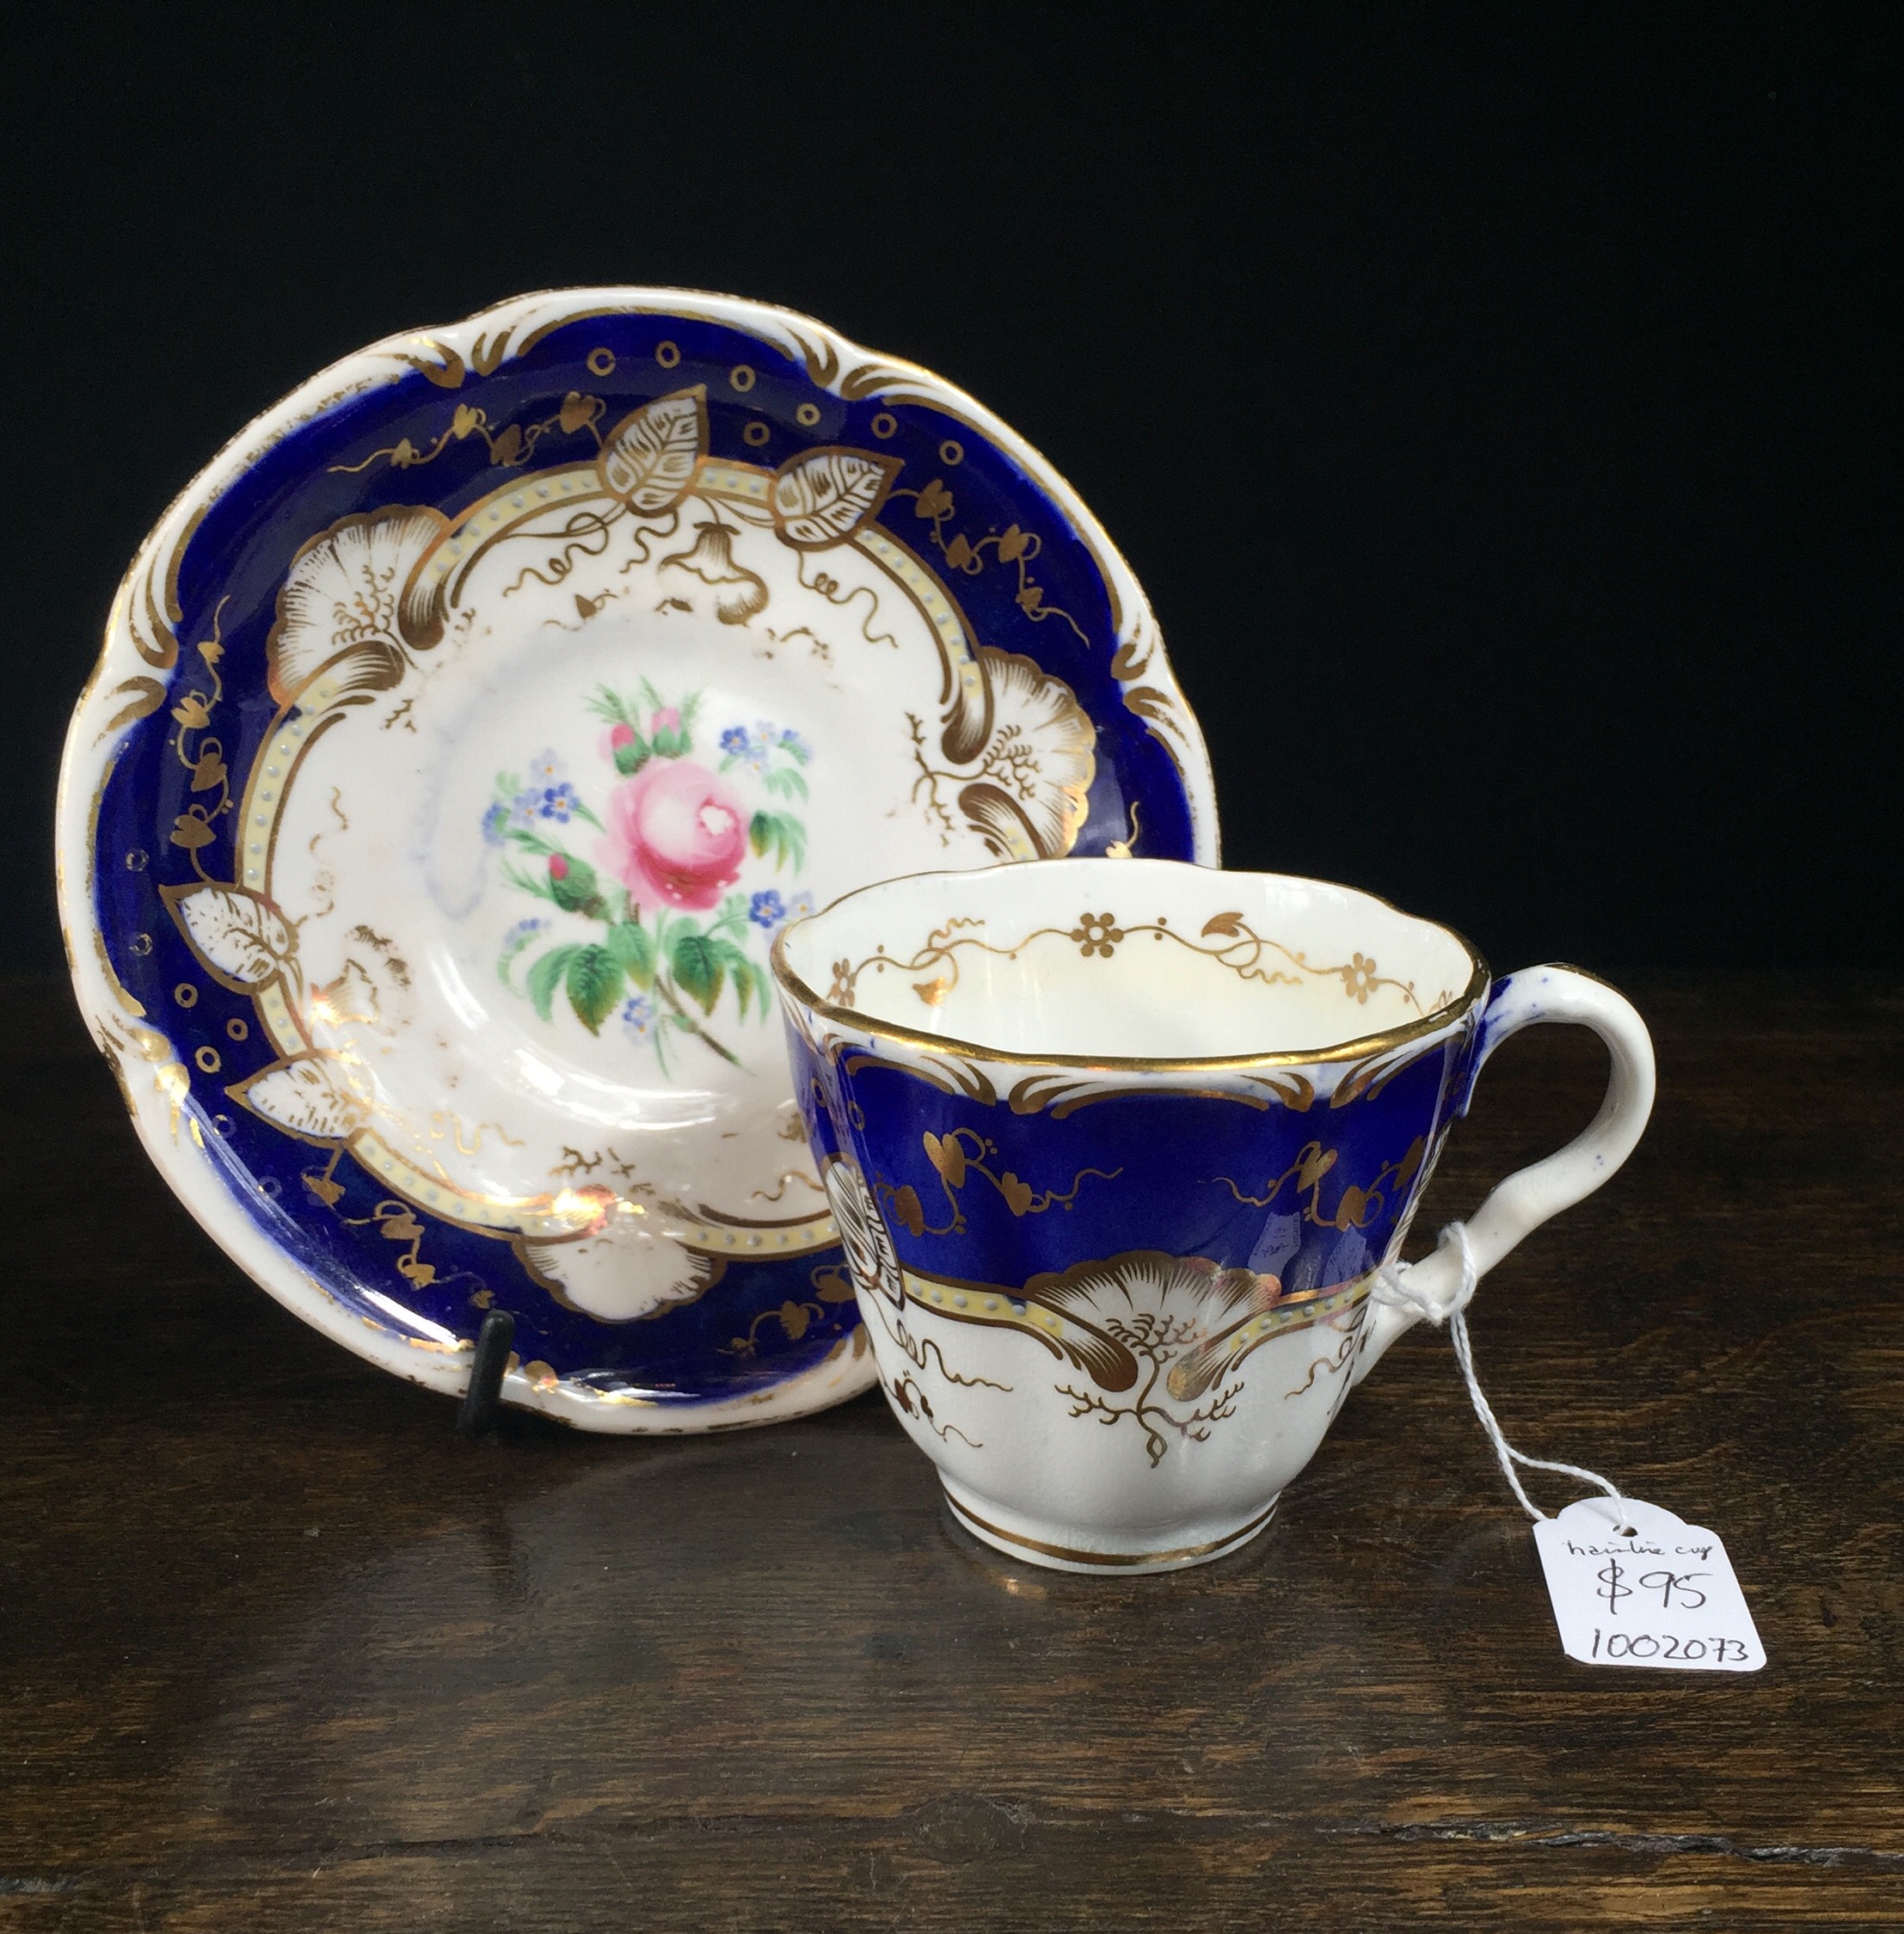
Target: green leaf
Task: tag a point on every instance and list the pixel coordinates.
(749, 977)
(632, 947)
(537, 884)
(781, 834)
(734, 963)
(698, 969)
(784, 783)
(545, 976)
(606, 705)
(595, 985)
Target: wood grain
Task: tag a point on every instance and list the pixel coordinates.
(278, 1649)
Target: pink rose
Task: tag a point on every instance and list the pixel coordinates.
(668, 719)
(613, 740)
(675, 834)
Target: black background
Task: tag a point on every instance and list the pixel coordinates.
(1552, 355)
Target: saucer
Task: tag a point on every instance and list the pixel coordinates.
(462, 737)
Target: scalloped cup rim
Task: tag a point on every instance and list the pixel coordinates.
(796, 988)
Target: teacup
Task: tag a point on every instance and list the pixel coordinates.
(1117, 1149)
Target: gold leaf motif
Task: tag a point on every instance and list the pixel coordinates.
(1411, 1162)
(489, 349)
(1370, 1076)
(648, 458)
(1228, 925)
(1035, 1092)
(236, 934)
(933, 992)
(148, 695)
(933, 501)
(822, 496)
(190, 831)
(794, 1319)
(1148, 703)
(831, 1284)
(578, 410)
(947, 1155)
(303, 1095)
(208, 771)
(1016, 1193)
(446, 373)
(1316, 1163)
(191, 713)
(1296, 1091)
(907, 1208)
(1351, 1210)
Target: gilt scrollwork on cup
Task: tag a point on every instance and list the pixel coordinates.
(1160, 1341)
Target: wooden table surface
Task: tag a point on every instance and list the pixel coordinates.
(278, 1650)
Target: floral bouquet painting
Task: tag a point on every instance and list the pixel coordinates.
(671, 840)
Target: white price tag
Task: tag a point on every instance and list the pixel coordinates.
(1644, 1589)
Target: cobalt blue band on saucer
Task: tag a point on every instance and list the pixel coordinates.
(198, 816)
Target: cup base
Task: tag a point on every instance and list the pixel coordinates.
(1067, 1548)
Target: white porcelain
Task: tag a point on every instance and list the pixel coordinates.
(461, 739)
(1118, 1152)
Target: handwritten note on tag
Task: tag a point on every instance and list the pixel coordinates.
(1664, 1594)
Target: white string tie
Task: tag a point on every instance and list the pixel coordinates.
(1394, 1286)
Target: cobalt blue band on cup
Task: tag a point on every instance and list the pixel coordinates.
(1116, 1151)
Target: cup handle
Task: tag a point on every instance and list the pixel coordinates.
(1528, 1197)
